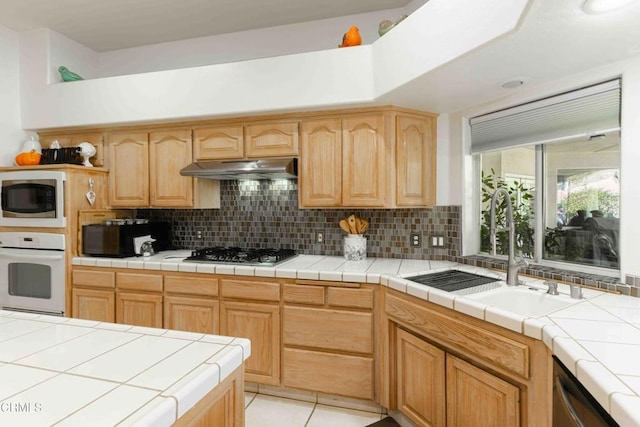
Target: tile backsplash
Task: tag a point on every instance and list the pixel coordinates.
(265, 214)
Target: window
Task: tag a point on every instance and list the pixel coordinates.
(570, 177)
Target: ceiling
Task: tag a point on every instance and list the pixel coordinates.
(104, 25)
(555, 39)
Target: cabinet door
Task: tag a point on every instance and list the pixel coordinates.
(218, 142)
(191, 314)
(93, 304)
(363, 160)
(420, 380)
(272, 139)
(128, 170)
(260, 323)
(139, 309)
(475, 397)
(169, 152)
(320, 180)
(415, 161)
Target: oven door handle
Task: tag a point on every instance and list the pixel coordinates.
(32, 257)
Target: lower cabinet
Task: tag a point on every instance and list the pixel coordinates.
(448, 369)
(260, 323)
(93, 304)
(437, 389)
(420, 373)
(475, 397)
(191, 314)
(139, 309)
(328, 338)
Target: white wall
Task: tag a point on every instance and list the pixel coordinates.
(261, 43)
(462, 165)
(11, 134)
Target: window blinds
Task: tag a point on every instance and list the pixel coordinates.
(588, 111)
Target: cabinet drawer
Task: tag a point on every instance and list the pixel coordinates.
(298, 294)
(218, 142)
(350, 298)
(342, 375)
(94, 279)
(328, 329)
(461, 336)
(191, 285)
(139, 282)
(260, 291)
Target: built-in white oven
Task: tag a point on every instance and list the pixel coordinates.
(32, 272)
(32, 198)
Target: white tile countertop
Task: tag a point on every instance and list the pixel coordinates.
(58, 371)
(596, 338)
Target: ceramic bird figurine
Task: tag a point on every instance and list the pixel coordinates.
(68, 76)
(351, 38)
(386, 25)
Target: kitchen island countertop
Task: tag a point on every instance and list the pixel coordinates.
(598, 339)
(72, 372)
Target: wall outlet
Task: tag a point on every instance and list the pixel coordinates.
(437, 241)
(319, 237)
(199, 233)
(414, 240)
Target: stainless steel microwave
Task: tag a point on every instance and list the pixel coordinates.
(32, 198)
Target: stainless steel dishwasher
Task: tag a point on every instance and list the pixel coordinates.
(573, 405)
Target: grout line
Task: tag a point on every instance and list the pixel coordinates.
(311, 414)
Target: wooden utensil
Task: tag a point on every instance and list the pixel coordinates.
(351, 220)
(365, 226)
(344, 225)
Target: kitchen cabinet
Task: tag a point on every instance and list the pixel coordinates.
(415, 160)
(145, 171)
(190, 304)
(382, 159)
(328, 338)
(246, 140)
(420, 373)
(450, 369)
(250, 309)
(139, 299)
(92, 296)
(475, 397)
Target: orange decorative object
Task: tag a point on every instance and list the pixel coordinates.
(28, 158)
(351, 38)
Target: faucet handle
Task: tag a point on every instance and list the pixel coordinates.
(521, 260)
(576, 291)
(552, 287)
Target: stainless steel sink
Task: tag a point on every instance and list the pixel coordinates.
(456, 281)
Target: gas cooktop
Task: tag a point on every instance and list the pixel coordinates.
(234, 255)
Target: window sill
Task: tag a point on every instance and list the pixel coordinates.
(547, 272)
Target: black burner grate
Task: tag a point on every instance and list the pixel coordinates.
(235, 255)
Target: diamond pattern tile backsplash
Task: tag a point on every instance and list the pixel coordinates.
(265, 214)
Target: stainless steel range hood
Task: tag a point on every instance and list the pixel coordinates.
(243, 169)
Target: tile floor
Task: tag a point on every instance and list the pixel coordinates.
(269, 411)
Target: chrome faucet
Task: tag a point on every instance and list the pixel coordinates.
(513, 265)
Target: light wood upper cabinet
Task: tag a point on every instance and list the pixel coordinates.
(169, 152)
(320, 180)
(364, 155)
(381, 159)
(144, 171)
(415, 161)
(128, 169)
(277, 139)
(218, 142)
